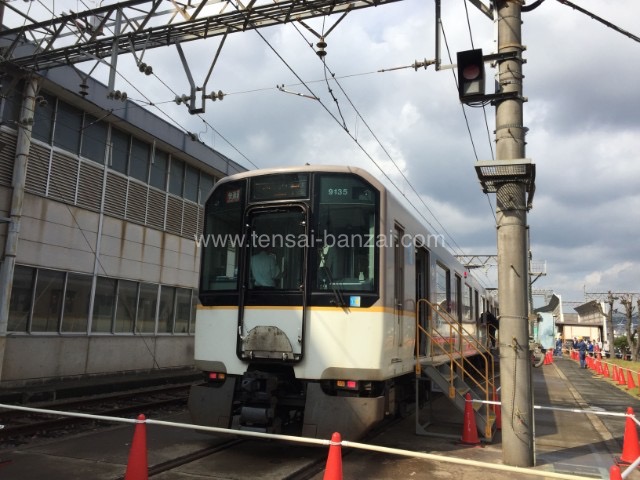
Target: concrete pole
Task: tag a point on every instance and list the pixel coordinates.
(23, 144)
(513, 268)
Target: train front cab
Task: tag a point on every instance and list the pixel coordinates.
(262, 347)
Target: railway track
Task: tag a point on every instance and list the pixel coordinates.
(20, 427)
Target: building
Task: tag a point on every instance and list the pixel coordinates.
(106, 266)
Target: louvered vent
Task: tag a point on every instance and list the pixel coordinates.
(37, 169)
(7, 157)
(174, 215)
(200, 218)
(136, 202)
(64, 177)
(115, 195)
(190, 220)
(90, 186)
(155, 212)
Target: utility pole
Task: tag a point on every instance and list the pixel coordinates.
(611, 298)
(513, 251)
(511, 177)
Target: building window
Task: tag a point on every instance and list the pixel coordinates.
(43, 119)
(103, 305)
(21, 297)
(183, 310)
(206, 184)
(47, 305)
(126, 309)
(176, 177)
(119, 151)
(191, 178)
(167, 309)
(68, 127)
(140, 153)
(195, 301)
(12, 105)
(147, 300)
(94, 139)
(76, 303)
(158, 175)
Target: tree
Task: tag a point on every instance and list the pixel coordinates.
(632, 336)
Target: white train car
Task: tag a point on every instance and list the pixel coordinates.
(309, 284)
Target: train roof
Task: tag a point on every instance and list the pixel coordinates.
(309, 168)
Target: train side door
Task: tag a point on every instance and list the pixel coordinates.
(399, 269)
(422, 292)
(272, 311)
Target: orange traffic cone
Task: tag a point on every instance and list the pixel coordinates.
(621, 379)
(606, 370)
(630, 383)
(137, 468)
(469, 429)
(614, 473)
(333, 470)
(630, 446)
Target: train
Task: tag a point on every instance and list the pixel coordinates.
(312, 282)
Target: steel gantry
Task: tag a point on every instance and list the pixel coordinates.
(137, 25)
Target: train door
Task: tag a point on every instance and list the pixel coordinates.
(457, 308)
(398, 280)
(272, 309)
(443, 301)
(422, 291)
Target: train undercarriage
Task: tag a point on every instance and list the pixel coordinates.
(272, 400)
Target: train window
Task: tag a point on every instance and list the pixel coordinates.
(443, 288)
(277, 255)
(222, 238)
(346, 215)
(466, 304)
(280, 187)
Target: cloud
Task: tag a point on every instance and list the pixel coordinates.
(581, 114)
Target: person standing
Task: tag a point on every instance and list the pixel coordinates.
(582, 352)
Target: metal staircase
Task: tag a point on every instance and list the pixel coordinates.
(446, 360)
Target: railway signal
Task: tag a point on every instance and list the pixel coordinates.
(470, 75)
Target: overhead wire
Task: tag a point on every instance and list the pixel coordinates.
(384, 149)
(464, 113)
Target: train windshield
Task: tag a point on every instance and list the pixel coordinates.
(222, 240)
(346, 223)
(277, 241)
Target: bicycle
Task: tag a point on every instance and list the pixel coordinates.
(537, 354)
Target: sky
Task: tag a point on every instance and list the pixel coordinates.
(408, 128)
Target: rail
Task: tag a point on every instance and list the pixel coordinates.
(456, 358)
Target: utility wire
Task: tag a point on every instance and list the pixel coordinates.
(600, 19)
(359, 115)
(466, 119)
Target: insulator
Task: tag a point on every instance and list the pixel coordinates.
(142, 66)
(178, 100)
(321, 46)
(148, 70)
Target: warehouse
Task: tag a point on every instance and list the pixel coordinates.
(98, 255)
